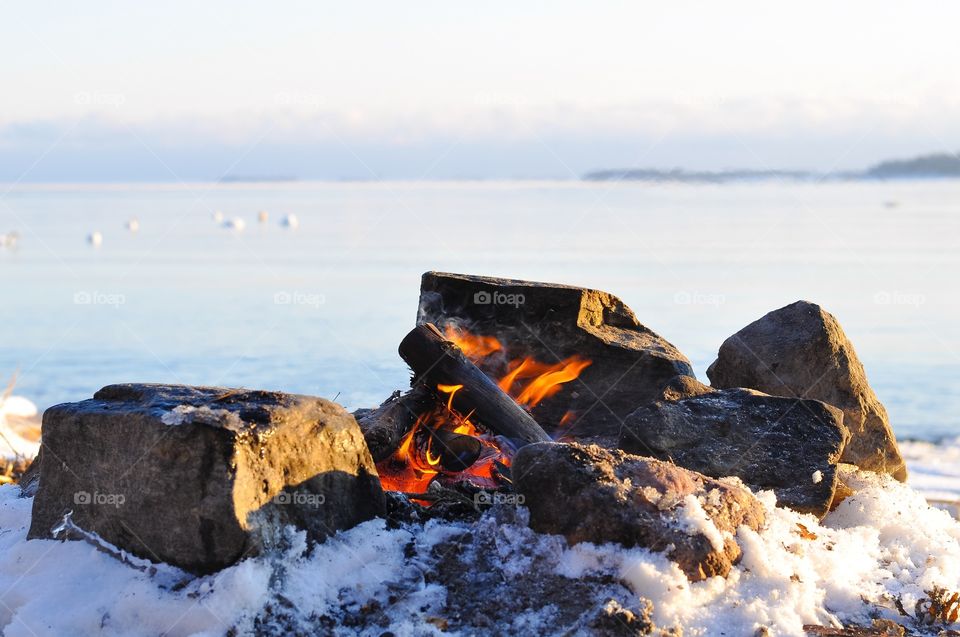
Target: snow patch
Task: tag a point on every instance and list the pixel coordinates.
(694, 520)
(188, 414)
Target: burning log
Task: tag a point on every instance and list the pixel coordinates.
(384, 427)
(457, 451)
(437, 361)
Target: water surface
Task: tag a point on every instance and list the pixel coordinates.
(320, 309)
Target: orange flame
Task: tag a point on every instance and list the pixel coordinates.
(415, 464)
(544, 380)
(407, 470)
(473, 346)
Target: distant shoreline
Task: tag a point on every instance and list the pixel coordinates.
(936, 166)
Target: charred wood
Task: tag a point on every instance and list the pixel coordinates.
(384, 427)
(436, 361)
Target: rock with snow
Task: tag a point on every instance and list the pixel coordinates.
(613, 619)
(201, 477)
(801, 351)
(590, 494)
(770, 442)
(628, 362)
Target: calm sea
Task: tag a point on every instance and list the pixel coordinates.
(320, 309)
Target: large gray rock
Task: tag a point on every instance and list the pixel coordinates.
(590, 494)
(550, 322)
(801, 350)
(200, 477)
(791, 446)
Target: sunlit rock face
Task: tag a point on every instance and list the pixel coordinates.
(201, 477)
(770, 442)
(801, 351)
(590, 494)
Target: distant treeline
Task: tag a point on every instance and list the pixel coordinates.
(940, 165)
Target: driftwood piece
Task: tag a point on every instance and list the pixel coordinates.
(384, 427)
(437, 361)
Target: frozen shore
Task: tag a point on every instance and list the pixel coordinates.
(934, 470)
(881, 545)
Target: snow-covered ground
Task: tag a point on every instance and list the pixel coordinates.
(883, 544)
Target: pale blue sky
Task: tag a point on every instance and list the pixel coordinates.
(179, 90)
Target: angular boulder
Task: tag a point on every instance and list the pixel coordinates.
(549, 323)
(801, 351)
(201, 477)
(590, 494)
(770, 442)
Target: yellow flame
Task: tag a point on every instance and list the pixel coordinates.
(452, 390)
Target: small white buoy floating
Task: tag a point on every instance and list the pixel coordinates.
(263, 216)
(290, 221)
(95, 239)
(9, 240)
(236, 223)
(133, 224)
(217, 216)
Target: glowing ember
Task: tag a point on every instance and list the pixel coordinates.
(417, 461)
